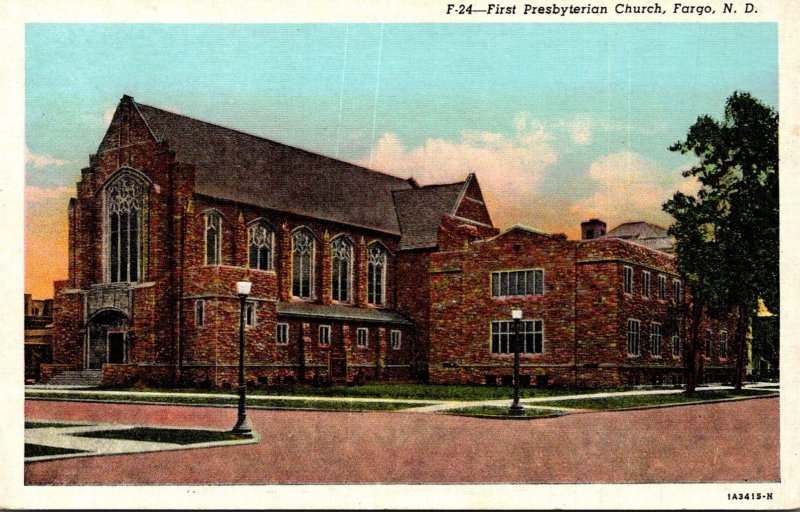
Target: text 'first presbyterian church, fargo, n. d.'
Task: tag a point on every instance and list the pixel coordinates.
(356, 275)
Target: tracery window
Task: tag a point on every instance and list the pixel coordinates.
(260, 242)
(376, 275)
(342, 269)
(124, 207)
(303, 264)
(213, 237)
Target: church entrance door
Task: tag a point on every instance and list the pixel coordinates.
(107, 338)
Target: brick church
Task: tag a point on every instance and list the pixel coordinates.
(356, 275)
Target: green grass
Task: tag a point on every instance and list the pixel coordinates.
(40, 450)
(626, 402)
(500, 412)
(461, 392)
(36, 424)
(164, 435)
(275, 403)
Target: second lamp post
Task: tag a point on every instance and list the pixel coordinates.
(242, 426)
(516, 409)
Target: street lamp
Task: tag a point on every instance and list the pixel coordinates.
(516, 409)
(242, 426)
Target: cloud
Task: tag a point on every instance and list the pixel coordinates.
(630, 188)
(508, 166)
(108, 115)
(37, 194)
(39, 161)
(580, 131)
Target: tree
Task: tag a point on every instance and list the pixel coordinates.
(727, 236)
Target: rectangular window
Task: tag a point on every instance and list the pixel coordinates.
(723, 344)
(645, 284)
(515, 283)
(362, 337)
(708, 342)
(324, 335)
(531, 333)
(633, 337)
(662, 287)
(396, 339)
(677, 291)
(627, 279)
(250, 314)
(199, 312)
(676, 345)
(282, 334)
(655, 339)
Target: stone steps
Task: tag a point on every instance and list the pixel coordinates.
(77, 378)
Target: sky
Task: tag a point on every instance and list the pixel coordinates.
(560, 122)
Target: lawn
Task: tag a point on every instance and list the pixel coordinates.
(626, 402)
(164, 435)
(39, 450)
(498, 412)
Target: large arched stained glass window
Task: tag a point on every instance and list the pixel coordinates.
(124, 206)
(260, 242)
(303, 264)
(341, 269)
(376, 275)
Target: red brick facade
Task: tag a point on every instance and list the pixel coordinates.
(160, 231)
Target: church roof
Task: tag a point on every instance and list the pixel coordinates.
(420, 212)
(644, 233)
(237, 166)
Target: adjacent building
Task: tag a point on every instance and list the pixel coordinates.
(357, 275)
(38, 335)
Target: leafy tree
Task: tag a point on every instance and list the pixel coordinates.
(727, 236)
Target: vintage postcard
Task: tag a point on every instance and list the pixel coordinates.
(400, 255)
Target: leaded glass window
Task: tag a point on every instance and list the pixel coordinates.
(124, 207)
(341, 271)
(260, 243)
(303, 264)
(376, 275)
(213, 237)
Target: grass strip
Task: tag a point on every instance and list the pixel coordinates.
(494, 411)
(36, 424)
(627, 402)
(164, 435)
(40, 450)
(261, 403)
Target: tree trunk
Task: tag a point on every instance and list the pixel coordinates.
(742, 320)
(690, 358)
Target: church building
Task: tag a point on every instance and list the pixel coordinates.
(356, 275)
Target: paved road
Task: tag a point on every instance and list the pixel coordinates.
(732, 441)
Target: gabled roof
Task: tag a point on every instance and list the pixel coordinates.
(644, 233)
(420, 212)
(237, 166)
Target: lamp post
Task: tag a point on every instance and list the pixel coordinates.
(242, 426)
(516, 409)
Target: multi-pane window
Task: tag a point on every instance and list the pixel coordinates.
(303, 264)
(723, 344)
(282, 334)
(633, 337)
(213, 237)
(199, 312)
(662, 287)
(260, 242)
(250, 314)
(645, 284)
(376, 274)
(677, 291)
(655, 339)
(708, 342)
(517, 282)
(396, 338)
(124, 206)
(324, 335)
(627, 279)
(530, 332)
(362, 337)
(341, 269)
(676, 345)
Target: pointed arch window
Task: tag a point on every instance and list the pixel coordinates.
(125, 199)
(260, 242)
(303, 264)
(342, 269)
(213, 237)
(376, 275)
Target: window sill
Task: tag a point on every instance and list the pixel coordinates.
(634, 356)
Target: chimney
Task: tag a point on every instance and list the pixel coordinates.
(592, 228)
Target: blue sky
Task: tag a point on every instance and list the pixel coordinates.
(559, 121)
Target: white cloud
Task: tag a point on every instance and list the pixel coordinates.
(39, 161)
(36, 194)
(108, 115)
(580, 131)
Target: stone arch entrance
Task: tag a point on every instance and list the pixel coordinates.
(107, 339)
